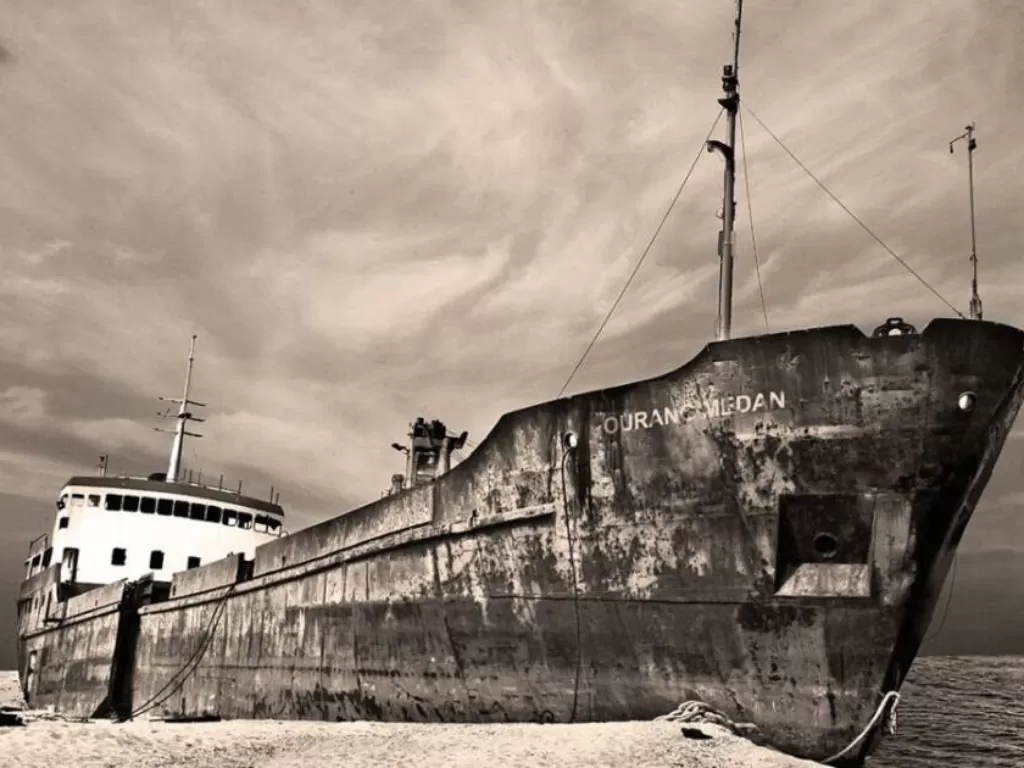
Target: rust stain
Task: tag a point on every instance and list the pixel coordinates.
(764, 528)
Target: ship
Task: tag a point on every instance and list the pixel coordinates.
(765, 530)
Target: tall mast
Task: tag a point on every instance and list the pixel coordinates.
(730, 101)
(184, 415)
(968, 134)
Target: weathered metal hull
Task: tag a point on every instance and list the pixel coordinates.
(766, 529)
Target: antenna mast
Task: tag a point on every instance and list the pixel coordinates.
(183, 416)
(730, 102)
(968, 134)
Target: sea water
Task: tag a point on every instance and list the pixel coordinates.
(961, 712)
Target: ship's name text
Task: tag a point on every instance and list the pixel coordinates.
(717, 408)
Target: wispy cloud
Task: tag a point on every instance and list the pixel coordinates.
(23, 406)
(376, 210)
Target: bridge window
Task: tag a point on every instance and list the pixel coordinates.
(230, 517)
(193, 562)
(164, 506)
(244, 520)
(118, 556)
(273, 525)
(62, 522)
(181, 508)
(131, 504)
(147, 505)
(212, 514)
(197, 512)
(94, 501)
(77, 500)
(156, 560)
(114, 502)
(260, 525)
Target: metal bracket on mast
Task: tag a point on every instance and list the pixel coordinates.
(968, 134)
(724, 149)
(174, 432)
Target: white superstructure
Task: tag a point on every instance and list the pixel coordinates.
(114, 528)
(111, 528)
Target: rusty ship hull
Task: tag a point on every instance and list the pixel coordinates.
(766, 529)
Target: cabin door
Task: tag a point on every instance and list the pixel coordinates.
(69, 565)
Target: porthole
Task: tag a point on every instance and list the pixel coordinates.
(965, 402)
(825, 545)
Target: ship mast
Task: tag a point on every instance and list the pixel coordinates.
(968, 134)
(183, 416)
(730, 102)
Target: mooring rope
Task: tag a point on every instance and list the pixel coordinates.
(696, 711)
(179, 678)
(575, 591)
(883, 710)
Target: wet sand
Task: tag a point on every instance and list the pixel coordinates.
(278, 744)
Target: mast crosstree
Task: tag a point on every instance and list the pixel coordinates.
(183, 416)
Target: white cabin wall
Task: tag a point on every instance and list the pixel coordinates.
(96, 532)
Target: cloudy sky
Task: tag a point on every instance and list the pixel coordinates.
(370, 211)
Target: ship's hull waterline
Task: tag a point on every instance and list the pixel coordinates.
(765, 529)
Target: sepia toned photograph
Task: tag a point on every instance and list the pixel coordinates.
(579, 383)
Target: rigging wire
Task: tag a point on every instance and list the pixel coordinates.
(945, 609)
(643, 256)
(851, 214)
(750, 213)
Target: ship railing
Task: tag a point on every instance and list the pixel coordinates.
(38, 555)
(198, 483)
(38, 545)
(186, 479)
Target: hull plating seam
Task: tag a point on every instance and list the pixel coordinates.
(63, 622)
(424, 534)
(780, 565)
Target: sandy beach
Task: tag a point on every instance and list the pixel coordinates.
(276, 744)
